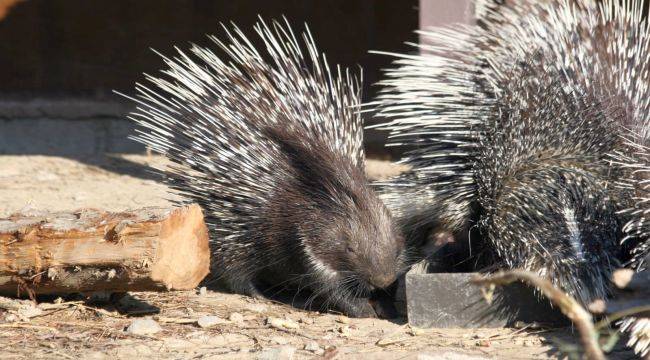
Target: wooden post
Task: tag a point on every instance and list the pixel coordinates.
(91, 250)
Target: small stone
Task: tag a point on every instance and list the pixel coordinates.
(281, 324)
(143, 327)
(236, 317)
(281, 353)
(210, 321)
(203, 291)
(313, 347)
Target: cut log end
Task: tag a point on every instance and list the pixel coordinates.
(91, 250)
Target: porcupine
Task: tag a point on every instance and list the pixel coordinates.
(270, 145)
(510, 125)
(635, 157)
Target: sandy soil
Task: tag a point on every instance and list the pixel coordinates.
(82, 330)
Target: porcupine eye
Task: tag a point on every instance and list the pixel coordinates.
(350, 248)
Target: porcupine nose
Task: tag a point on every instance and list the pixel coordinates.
(382, 280)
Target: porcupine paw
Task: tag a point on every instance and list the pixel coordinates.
(357, 307)
(384, 308)
(247, 288)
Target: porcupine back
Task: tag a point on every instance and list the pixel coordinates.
(213, 116)
(524, 62)
(613, 61)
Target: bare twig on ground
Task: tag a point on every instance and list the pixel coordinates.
(580, 317)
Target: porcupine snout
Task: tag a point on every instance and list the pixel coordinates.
(375, 249)
(389, 266)
(385, 254)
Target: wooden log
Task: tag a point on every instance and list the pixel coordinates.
(91, 250)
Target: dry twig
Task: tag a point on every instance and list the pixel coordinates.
(580, 317)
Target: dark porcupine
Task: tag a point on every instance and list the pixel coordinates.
(270, 144)
(510, 126)
(635, 157)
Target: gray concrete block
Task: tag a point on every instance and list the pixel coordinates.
(71, 108)
(448, 300)
(65, 137)
(421, 267)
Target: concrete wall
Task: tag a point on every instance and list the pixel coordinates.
(71, 128)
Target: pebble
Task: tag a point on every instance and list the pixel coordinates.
(313, 346)
(203, 291)
(281, 323)
(208, 321)
(280, 353)
(236, 317)
(143, 327)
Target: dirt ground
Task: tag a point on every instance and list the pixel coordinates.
(246, 328)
